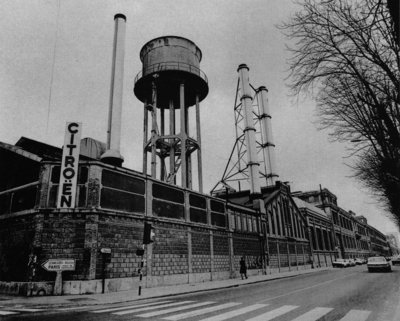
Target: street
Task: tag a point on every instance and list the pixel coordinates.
(350, 294)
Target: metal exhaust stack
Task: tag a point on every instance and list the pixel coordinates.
(269, 146)
(249, 132)
(112, 155)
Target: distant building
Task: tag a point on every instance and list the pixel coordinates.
(322, 241)
(353, 236)
(393, 241)
(287, 243)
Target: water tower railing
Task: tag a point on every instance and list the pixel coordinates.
(171, 65)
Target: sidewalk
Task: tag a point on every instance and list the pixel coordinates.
(126, 296)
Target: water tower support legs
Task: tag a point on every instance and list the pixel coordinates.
(199, 161)
(162, 162)
(183, 134)
(154, 134)
(172, 132)
(145, 137)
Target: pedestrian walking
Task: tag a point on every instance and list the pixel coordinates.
(243, 268)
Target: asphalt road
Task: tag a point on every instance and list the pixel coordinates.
(350, 294)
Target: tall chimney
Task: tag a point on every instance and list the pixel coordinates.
(112, 154)
(249, 132)
(266, 129)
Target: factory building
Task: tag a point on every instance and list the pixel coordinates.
(353, 236)
(197, 237)
(322, 241)
(284, 228)
(77, 209)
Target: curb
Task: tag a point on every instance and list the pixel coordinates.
(77, 304)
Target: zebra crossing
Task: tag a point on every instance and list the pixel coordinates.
(171, 310)
(12, 311)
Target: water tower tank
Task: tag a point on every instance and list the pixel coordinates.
(171, 60)
(171, 79)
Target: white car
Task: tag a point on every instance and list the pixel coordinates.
(340, 263)
(359, 261)
(378, 263)
(396, 260)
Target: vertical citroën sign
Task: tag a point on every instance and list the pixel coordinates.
(69, 166)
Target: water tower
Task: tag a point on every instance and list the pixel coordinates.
(169, 84)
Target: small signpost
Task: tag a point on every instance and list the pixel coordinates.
(106, 257)
(58, 265)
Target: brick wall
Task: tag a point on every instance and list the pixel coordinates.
(63, 236)
(170, 250)
(201, 251)
(16, 239)
(123, 234)
(248, 246)
(221, 252)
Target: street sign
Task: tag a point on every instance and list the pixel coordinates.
(59, 265)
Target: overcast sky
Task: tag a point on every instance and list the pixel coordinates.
(55, 66)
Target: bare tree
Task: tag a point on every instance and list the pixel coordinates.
(346, 55)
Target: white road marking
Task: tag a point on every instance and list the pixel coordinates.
(2, 312)
(152, 307)
(234, 313)
(200, 311)
(170, 310)
(313, 314)
(306, 288)
(74, 308)
(356, 315)
(274, 313)
(126, 307)
(27, 310)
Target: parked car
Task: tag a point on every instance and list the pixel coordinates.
(360, 261)
(378, 263)
(340, 263)
(351, 262)
(396, 260)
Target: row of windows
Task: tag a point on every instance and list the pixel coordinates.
(321, 239)
(342, 221)
(378, 241)
(361, 230)
(18, 200)
(364, 245)
(283, 221)
(349, 242)
(243, 222)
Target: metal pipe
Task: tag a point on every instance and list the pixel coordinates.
(145, 136)
(112, 155)
(154, 132)
(183, 135)
(199, 160)
(162, 155)
(267, 138)
(249, 130)
(189, 156)
(172, 133)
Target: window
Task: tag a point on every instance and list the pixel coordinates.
(81, 192)
(198, 206)
(168, 193)
(168, 209)
(218, 219)
(249, 223)
(238, 222)
(197, 201)
(198, 215)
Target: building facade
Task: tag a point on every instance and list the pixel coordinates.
(353, 236)
(198, 237)
(320, 230)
